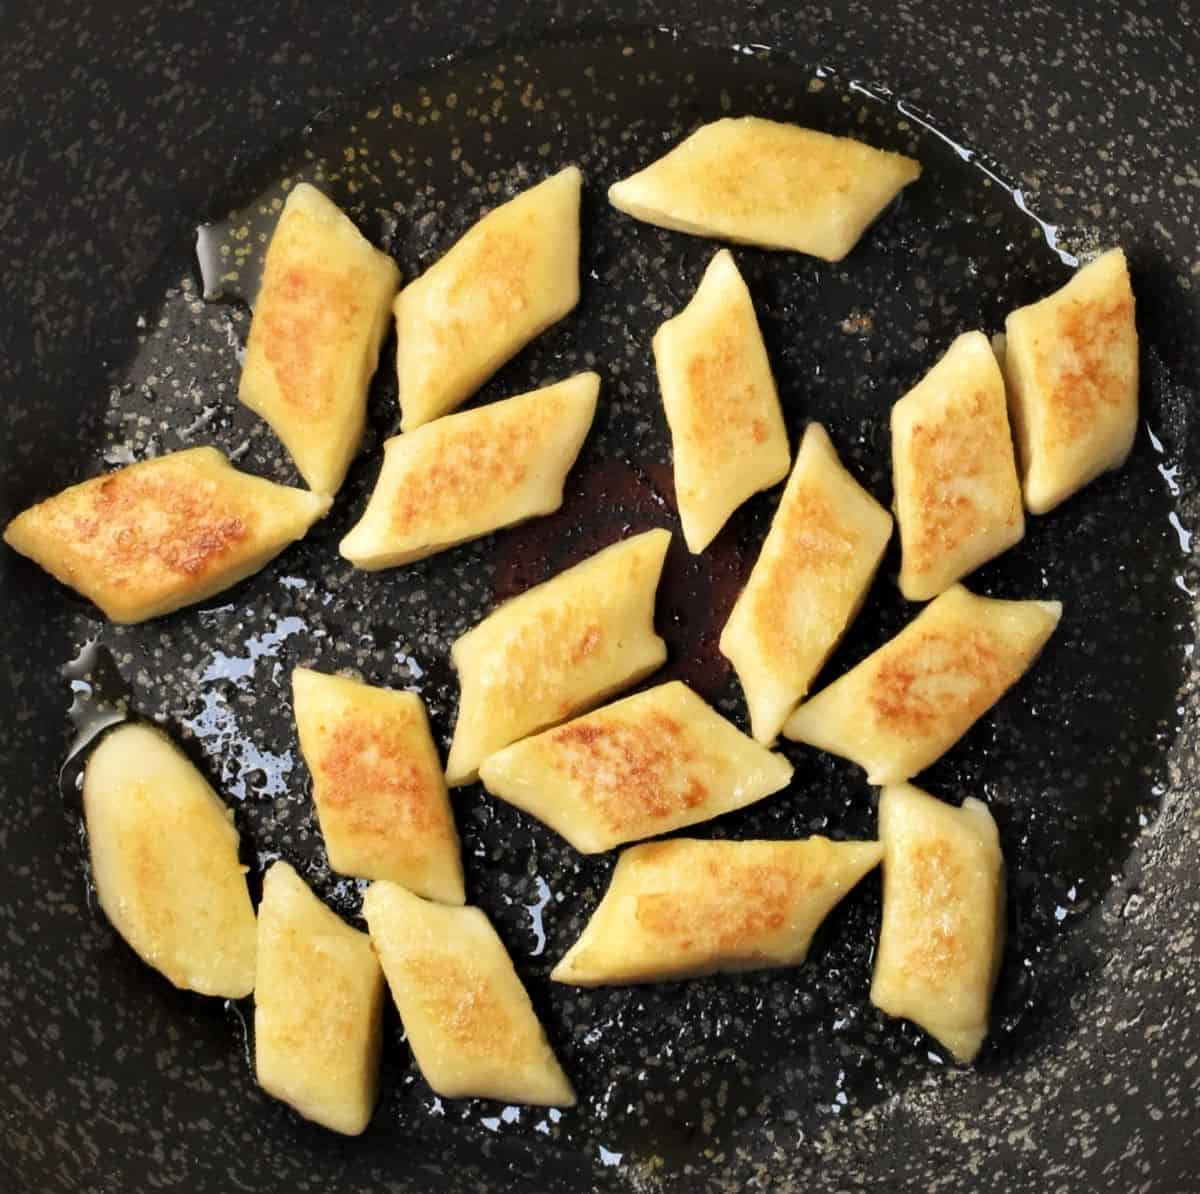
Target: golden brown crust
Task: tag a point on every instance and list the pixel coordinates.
(464, 1005)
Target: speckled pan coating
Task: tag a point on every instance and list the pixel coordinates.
(117, 132)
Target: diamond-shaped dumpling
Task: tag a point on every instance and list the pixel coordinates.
(765, 183)
(727, 434)
(559, 648)
(377, 784)
(511, 276)
(318, 1007)
(467, 474)
(165, 863)
(468, 1020)
(168, 532)
(319, 320)
(645, 765)
(808, 583)
(907, 703)
(1071, 364)
(943, 916)
(684, 908)
(958, 501)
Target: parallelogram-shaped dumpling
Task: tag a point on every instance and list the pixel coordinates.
(727, 434)
(906, 704)
(1071, 363)
(559, 648)
(165, 863)
(168, 532)
(653, 762)
(319, 320)
(958, 500)
(765, 183)
(468, 474)
(469, 1022)
(377, 784)
(504, 282)
(684, 908)
(808, 583)
(943, 916)
(318, 1007)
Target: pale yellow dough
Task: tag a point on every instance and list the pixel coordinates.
(653, 762)
(764, 183)
(318, 1007)
(164, 855)
(906, 704)
(958, 500)
(1071, 362)
(377, 784)
(168, 532)
(468, 1020)
(943, 916)
(807, 586)
(319, 320)
(511, 276)
(683, 908)
(727, 434)
(558, 649)
(465, 475)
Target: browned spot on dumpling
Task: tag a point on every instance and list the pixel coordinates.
(721, 404)
(497, 277)
(938, 947)
(464, 1007)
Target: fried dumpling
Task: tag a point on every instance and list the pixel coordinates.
(653, 762)
(906, 704)
(504, 282)
(377, 784)
(152, 537)
(770, 184)
(943, 916)
(684, 908)
(469, 1022)
(165, 863)
(958, 500)
(559, 648)
(1071, 362)
(319, 320)
(808, 584)
(318, 1007)
(727, 434)
(468, 474)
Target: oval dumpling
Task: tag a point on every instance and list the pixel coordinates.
(907, 703)
(467, 1017)
(766, 183)
(943, 916)
(727, 434)
(684, 908)
(653, 762)
(164, 856)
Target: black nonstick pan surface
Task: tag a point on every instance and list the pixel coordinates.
(121, 132)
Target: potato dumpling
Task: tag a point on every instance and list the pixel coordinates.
(559, 648)
(808, 583)
(906, 704)
(465, 475)
(165, 862)
(511, 276)
(651, 763)
(168, 532)
(318, 1007)
(764, 183)
(943, 916)
(377, 784)
(1071, 363)
(727, 434)
(469, 1022)
(683, 908)
(319, 320)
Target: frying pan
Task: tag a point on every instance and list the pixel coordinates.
(122, 129)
